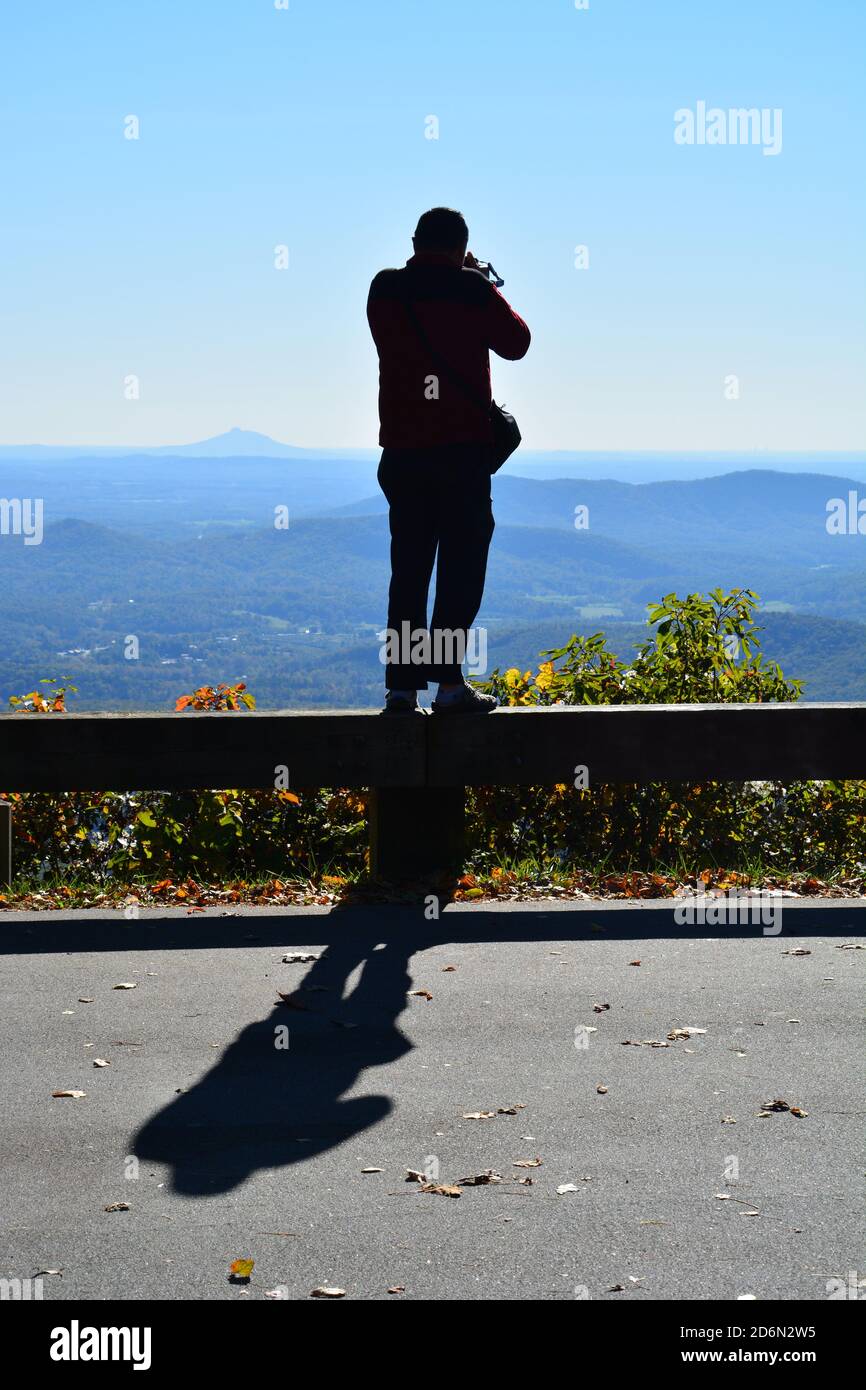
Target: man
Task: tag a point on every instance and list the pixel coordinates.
(437, 315)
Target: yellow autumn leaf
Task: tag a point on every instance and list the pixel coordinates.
(242, 1268)
(544, 679)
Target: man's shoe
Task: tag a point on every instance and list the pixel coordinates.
(467, 701)
(401, 702)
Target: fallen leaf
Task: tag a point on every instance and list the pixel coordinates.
(852, 946)
(526, 1163)
(480, 1115)
(722, 1196)
(634, 962)
(616, 1288)
(70, 1095)
(275, 1293)
(510, 1109)
(797, 951)
(100, 1062)
(372, 1170)
(241, 1269)
(325, 1292)
(413, 1176)
(687, 1032)
(600, 1008)
(39, 1273)
(728, 1120)
(397, 1288)
(291, 1002)
(441, 1189)
(602, 1090)
(446, 970)
(117, 1206)
(801, 1114)
(423, 993)
(481, 1179)
(126, 984)
(83, 1000)
(776, 1105)
(567, 1187)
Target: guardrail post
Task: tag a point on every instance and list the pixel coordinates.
(415, 831)
(5, 844)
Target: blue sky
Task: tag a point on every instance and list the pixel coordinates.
(306, 127)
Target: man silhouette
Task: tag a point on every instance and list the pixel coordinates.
(437, 314)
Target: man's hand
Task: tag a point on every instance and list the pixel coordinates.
(469, 261)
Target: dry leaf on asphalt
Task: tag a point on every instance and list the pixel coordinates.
(241, 1269)
(728, 1120)
(446, 969)
(423, 993)
(852, 946)
(797, 951)
(480, 1115)
(567, 1187)
(325, 1292)
(100, 1062)
(83, 1000)
(687, 1032)
(600, 1008)
(372, 1170)
(480, 1179)
(526, 1163)
(70, 1095)
(801, 1114)
(117, 1206)
(413, 1176)
(126, 984)
(291, 1002)
(397, 1288)
(634, 962)
(776, 1105)
(441, 1189)
(602, 1090)
(510, 1109)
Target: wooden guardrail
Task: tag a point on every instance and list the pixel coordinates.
(418, 767)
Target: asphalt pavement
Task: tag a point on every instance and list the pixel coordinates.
(236, 1125)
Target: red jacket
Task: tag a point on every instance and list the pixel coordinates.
(463, 316)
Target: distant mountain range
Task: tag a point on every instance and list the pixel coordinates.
(182, 552)
(234, 443)
(637, 466)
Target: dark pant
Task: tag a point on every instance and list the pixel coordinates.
(437, 498)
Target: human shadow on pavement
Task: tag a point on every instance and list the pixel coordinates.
(267, 1105)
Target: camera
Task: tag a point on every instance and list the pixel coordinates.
(487, 268)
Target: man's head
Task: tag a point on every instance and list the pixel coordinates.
(444, 231)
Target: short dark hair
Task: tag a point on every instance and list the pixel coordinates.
(441, 229)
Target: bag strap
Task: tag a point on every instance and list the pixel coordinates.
(443, 363)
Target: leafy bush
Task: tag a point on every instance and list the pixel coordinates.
(702, 649)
